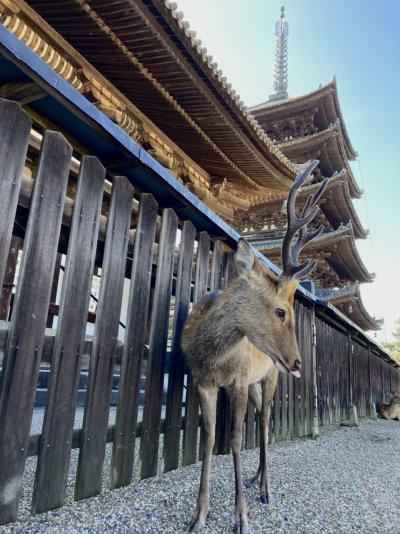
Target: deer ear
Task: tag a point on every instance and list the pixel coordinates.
(244, 258)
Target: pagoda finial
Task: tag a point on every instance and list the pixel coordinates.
(281, 56)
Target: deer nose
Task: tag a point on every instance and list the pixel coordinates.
(296, 365)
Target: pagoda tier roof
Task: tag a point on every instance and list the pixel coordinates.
(323, 100)
(348, 300)
(327, 146)
(336, 248)
(336, 204)
(147, 51)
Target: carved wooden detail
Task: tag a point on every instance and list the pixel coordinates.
(38, 45)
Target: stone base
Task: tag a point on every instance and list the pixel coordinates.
(353, 417)
(372, 411)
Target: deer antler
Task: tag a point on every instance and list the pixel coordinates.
(295, 225)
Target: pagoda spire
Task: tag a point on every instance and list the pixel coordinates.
(281, 57)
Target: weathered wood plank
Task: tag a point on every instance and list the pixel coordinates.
(95, 421)
(26, 335)
(53, 460)
(9, 275)
(176, 369)
(284, 406)
(277, 410)
(54, 288)
(222, 427)
(135, 337)
(149, 441)
(14, 136)
(190, 433)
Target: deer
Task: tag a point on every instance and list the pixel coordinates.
(392, 409)
(240, 338)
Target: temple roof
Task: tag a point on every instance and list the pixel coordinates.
(336, 204)
(324, 100)
(348, 300)
(174, 82)
(336, 248)
(327, 146)
(338, 207)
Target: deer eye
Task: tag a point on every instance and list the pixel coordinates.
(280, 313)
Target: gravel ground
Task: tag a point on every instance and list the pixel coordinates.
(346, 481)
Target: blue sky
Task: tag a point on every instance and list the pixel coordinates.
(358, 41)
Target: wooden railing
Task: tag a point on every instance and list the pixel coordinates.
(169, 264)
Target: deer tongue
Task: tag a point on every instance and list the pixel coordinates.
(296, 373)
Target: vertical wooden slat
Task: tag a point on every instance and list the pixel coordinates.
(224, 415)
(55, 443)
(290, 430)
(173, 415)
(314, 377)
(297, 382)
(14, 136)
(151, 426)
(9, 275)
(277, 410)
(191, 421)
(284, 405)
(54, 288)
(222, 427)
(26, 335)
(95, 421)
(135, 337)
(308, 360)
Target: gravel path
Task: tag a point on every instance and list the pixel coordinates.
(346, 481)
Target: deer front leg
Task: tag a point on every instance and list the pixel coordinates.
(208, 404)
(262, 399)
(255, 396)
(239, 395)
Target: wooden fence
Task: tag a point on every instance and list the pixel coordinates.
(153, 266)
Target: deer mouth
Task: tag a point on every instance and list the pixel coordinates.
(281, 366)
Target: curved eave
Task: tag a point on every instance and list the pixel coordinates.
(267, 206)
(173, 82)
(328, 147)
(360, 316)
(339, 245)
(338, 206)
(346, 261)
(358, 313)
(325, 98)
(351, 153)
(348, 300)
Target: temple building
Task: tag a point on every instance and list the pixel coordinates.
(303, 128)
(156, 80)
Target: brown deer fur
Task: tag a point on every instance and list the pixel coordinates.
(234, 341)
(391, 410)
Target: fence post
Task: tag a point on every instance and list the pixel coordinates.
(27, 329)
(352, 412)
(314, 378)
(371, 407)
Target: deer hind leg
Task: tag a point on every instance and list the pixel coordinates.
(238, 395)
(268, 386)
(208, 404)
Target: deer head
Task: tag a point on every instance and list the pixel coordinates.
(267, 313)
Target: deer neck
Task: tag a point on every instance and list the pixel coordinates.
(224, 325)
